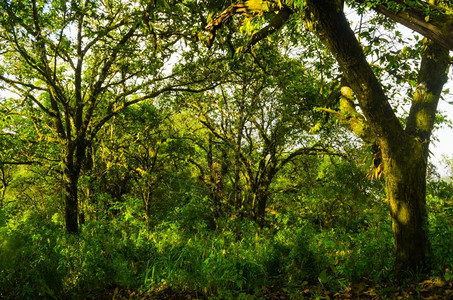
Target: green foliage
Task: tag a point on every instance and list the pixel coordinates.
(183, 254)
(29, 263)
(39, 259)
(186, 254)
(440, 201)
(175, 146)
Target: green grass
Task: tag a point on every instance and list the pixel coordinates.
(38, 259)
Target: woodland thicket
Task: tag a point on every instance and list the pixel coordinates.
(225, 150)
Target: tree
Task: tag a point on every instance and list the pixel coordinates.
(74, 65)
(258, 121)
(404, 149)
(132, 157)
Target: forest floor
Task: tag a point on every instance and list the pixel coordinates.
(427, 289)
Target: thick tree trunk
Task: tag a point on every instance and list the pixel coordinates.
(404, 152)
(70, 182)
(260, 202)
(261, 193)
(406, 165)
(405, 175)
(73, 158)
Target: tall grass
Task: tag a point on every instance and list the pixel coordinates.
(185, 254)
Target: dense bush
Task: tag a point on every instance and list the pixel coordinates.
(39, 259)
(187, 254)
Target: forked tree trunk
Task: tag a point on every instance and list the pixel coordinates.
(404, 151)
(261, 195)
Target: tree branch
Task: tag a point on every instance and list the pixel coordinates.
(332, 28)
(138, 100)
(437, 25)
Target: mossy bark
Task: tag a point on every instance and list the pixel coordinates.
(404, 151)
(406, 165)
(405, 176)
(71, 205)
(73, 157)
(260, 197)
(70, 182)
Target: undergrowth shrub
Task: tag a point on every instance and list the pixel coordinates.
(369, 253)
(29, 265)
(440, 220)
(208, 262)
(39, 260)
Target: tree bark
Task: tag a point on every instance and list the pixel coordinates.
(72, 161)
(70, 182)
(215, 181)
(407, 170)
(261, 194)
(261, 184)
(431, 21)
(405, 177)
(404, 152)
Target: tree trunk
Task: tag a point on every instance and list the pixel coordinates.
(73, 158)
(260, 201)
(404, 152)
(405, 175)
(215, 181)
(439, 27)
(5, 183)
(237, 199)
(70, 182)
(146, 196)
(261, 190)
